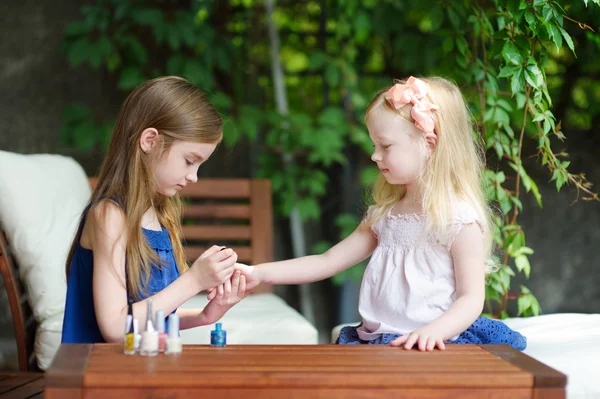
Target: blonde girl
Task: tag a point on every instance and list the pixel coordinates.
(428, 232)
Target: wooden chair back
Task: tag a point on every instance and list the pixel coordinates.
(24, 323)
(232, 212)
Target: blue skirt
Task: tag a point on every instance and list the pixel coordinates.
(482, 331)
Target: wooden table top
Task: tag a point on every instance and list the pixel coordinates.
(462, 367)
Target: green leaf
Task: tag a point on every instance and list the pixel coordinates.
(528, 183)
(77, 28)
(530, 18)
(554, 33)
(369, 175)
(534, 76)
(437, 18)
(448, 44)
(308, 208)
(76, 112)
(523, 303)
(137, 51)
(317, 60)
(511, 54)
(508, 71)
(84, 135)
(461, 45)
(332, 74)
(332, 117)
(501, 116)
(568, 39)
(523, 265)
(517, 81)
(148, 16)
(362, 27)
(130, 78)
(454, 19)
(547, 12)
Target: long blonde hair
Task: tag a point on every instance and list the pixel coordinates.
(178, 111)
(454, 170)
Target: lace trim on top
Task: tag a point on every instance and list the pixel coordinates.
(158, 239)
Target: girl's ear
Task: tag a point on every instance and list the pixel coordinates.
(148, 139)
(431, 140)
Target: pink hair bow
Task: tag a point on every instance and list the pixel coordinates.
(412, 93)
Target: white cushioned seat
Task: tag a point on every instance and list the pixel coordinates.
(258, 319)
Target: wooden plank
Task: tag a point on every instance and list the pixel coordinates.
(262, 222)
(314, 393)
(67, 393)
(549, 393)
(31, 388)
(544, 376)
(217, 211)
(301, 366)
(262, 227)
(17, 380)
(217, 188)
(191, 233)
(192, 252)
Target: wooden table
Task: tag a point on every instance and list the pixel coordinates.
(21, 385)
(302, 371)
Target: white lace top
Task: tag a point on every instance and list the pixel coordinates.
(409, 281)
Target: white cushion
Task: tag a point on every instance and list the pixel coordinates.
(42, 199)
(567, 342)
(258, 319)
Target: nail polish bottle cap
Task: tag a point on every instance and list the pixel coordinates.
(129, 324)
(218, 327)
(173, 325)
(136, 329)
(160, 321)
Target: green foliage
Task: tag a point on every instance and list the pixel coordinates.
(507, 56)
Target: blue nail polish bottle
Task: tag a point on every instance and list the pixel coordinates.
(218, 337)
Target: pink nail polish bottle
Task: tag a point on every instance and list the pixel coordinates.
(162, 335)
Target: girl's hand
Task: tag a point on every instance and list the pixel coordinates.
(426, 339)
(252, 279)
(213, 267)
(225, 296)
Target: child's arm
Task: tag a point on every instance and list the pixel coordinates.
(226, 296)
(468, 258)
(350, 251)
(108, 241)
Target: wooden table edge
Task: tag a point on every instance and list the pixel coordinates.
(543, 375)
(69, 366)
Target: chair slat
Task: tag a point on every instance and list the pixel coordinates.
(192, 252)
(236, 212)
(217, 188)
(192, 233)
(262, 222)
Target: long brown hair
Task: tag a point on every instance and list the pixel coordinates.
(178, 111)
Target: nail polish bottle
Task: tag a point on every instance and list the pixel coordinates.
(129, 342)
(137, 337)
(218, 337)
(160, 326)
(173, 340)
(149, 336)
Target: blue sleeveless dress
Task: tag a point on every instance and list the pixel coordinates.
(79, 323)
